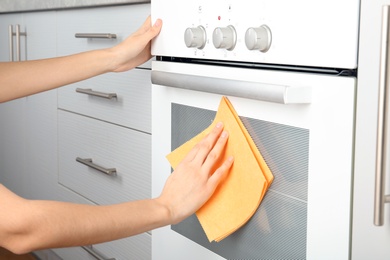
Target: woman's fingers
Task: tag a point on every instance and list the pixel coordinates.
(216, 152)
(220, 173)
(201, 150)
(207, 144)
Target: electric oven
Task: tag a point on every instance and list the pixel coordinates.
(289, 70)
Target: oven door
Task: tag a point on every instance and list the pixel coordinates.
(302, 123)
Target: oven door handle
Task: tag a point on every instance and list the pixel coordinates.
(281, 94)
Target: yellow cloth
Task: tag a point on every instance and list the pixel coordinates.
(239, 195)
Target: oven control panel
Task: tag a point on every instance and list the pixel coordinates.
(258, 38)
(264, 31)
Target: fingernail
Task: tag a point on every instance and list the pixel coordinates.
(219, 125)
(224, 134)
(157, 23)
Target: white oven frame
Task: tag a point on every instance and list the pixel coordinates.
(330, 118)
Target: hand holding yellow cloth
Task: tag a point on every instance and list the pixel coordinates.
(238, 196)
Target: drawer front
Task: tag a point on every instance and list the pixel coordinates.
(108, 146)
(135, 247)
(131, 107)
(119, 20)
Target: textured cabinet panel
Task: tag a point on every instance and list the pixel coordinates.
(131, 107)
(135, 247)
(109, 146)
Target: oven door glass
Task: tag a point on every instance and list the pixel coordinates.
(307, 145)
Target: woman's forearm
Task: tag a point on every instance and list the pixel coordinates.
(27, 225)
(18, 79)
(51, 224)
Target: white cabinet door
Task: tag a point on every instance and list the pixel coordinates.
(368, 241)
(7, 50)
(41, 111)
(28, 125)
(12, 122)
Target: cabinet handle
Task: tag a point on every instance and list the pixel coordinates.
(96, 35)
(17, 33)
(11, 34)
(90, 251)
(382, 128)
(91, 92)
(89, 163)
(11, 43)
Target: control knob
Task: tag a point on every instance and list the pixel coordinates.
(225, 38)
(258, 38)
(195, 37)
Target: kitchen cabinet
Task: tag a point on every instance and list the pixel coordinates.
(41, 112)
(105, 122)
(37, 132)
(368, 241)
(22, 157)
(12, 126)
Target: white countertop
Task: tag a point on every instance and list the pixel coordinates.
(8, 6)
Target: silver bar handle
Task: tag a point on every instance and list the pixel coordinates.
(91, 92)
(11, 42)
(96, 35)
(88, 162)
(281, 94)
(17, 32)
(381, 166)
(90, 251)
(11, 34)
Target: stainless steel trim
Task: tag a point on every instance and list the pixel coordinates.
(91, 92)
(88, 162)
(96, 35)
(247, 89)
(382, 128)
(11, 42)
(90, 251)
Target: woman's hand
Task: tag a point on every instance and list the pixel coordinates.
(193, 182)
(135, 49)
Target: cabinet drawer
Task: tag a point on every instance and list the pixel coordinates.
(108, 146)
(118, 20)
(135, 247)
(131, 107)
